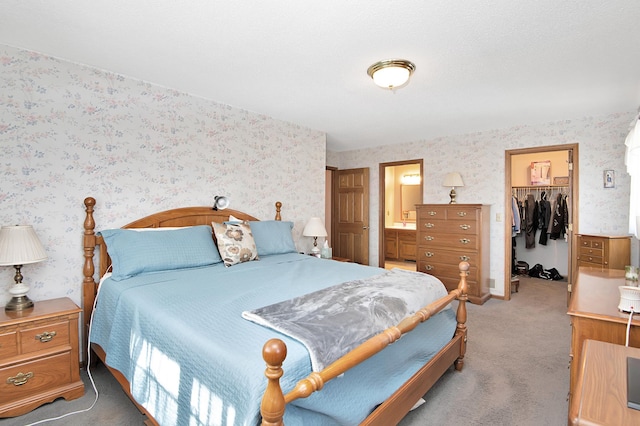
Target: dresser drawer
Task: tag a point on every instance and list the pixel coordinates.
(31, 378)
(432, 213)
(46, 336)
(442, 270)
(8, 345)
(448, 241)
(461, 213)
(592, 242)
(452, 284)
(438, 255)
(588, 251)
(450, 227)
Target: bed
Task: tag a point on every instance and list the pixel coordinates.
(207, 369)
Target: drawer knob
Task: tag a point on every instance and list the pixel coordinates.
(428, 238)
(429, 225)
(428, 267)
(47, 336)
(462, 214)
(20, 379)
(431, 213)
(465, 258)
(465, 240)
(465, 227)
(428, 253)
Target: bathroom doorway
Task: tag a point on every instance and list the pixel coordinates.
(401, 188)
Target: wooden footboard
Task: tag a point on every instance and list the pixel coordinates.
(391, 411)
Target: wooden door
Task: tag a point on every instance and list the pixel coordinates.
(351, 215)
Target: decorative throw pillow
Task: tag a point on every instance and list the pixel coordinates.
(235, 242)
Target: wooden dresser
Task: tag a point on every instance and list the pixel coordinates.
(603, 251)
(450, 233)
(594, 314)
(39, 358)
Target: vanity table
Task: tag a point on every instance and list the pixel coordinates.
(400, 242)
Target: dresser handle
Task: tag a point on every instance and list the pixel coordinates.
(465, 240)
(428, 267)
(465, 227)
(428, 253)
(429, 225)
(20, 379)
(431, 213)
(465, 258)
(45, 337)
(428, 238)
(462, 214)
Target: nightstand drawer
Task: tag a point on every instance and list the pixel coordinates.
(31, 378)
(44, 337)
(8, 345)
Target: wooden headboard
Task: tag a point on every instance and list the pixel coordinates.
(185, 216)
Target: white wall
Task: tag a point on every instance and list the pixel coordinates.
(480, 158)
(69, 131)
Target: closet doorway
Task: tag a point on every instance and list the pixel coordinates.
(401, 188)
(533, 174)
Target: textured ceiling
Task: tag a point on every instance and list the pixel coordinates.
(480, 64)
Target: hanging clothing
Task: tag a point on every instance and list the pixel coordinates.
(531, 221)
(543, 218)
(558, 224)
(515, 217)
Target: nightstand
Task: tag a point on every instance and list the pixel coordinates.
(341, 259)
(39, 359)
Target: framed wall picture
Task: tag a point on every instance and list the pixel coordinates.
(609, 179)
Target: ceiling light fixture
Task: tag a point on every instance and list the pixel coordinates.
(391, 73)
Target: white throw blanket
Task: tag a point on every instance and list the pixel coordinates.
(333, 321)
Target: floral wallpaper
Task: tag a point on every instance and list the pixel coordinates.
(68, 131)
(480, 158)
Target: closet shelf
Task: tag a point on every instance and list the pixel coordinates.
(539, 186)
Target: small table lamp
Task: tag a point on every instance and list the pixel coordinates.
(453, 180)
(315, 228)
(19, 245)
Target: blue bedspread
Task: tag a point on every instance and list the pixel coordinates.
(191, 358)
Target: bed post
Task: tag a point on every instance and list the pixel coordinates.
(88, 284)
(272, 407)
(461, 315)
(278, 207)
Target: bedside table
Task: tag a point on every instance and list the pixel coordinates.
(39, 359)
(341, 259)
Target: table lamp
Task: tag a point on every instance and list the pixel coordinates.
(315, 228)
(453, 180)
(19, 245)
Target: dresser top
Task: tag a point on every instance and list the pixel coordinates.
(605, 236)
(596, 295)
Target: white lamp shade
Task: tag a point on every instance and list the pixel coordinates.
(453, 180)
(19, 245)
(314, 228)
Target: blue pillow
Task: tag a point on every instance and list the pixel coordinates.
(135, 252)
(273, 237)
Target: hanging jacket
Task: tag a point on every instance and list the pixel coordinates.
(544, 218)
(531, 221)
(559, 219)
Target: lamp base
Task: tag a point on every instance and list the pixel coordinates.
(18, 303)
(452, 195)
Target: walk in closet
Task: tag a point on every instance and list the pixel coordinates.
(541, 213)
